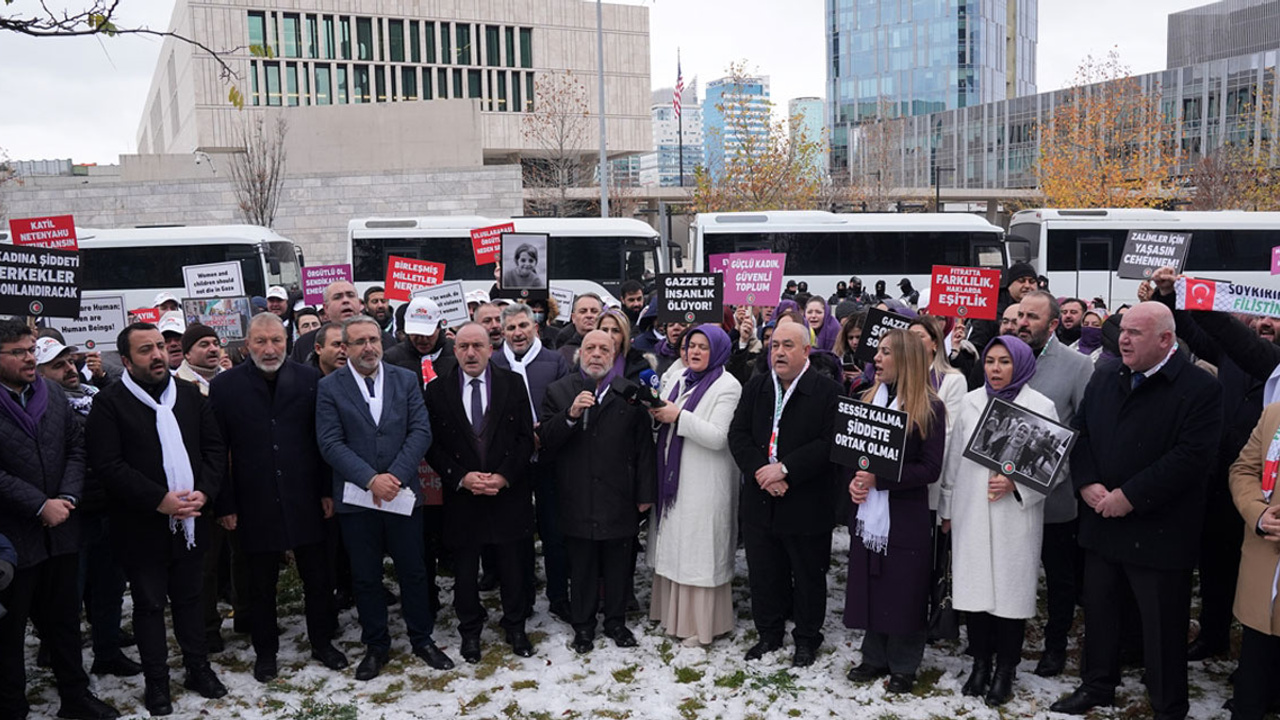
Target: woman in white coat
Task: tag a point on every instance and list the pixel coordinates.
(696, 515)
(996, 528)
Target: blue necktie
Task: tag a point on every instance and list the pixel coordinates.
(477, 411)
(1135, 380)
(368, 382)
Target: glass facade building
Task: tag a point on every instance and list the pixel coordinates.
(733, 110)
(662, 166)
(1222, 30)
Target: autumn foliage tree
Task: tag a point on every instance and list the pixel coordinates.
(1107, 144)
(1244, 173)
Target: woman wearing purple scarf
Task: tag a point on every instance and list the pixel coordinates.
(996, 528)
(693, 551)
(824, 325)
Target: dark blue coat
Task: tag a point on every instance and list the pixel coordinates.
(547, 367)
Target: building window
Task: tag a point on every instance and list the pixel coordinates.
(322, 85)
(342, 85)
(464, 43)
(502, 90)
(408, 83)
(257, 34)
(253, 78)
(426, 84)
(364, 38)
(528, 91)
(380, 83)
(291, 83)
(346, 38)
(292, 36)
(395, 39)
(306, 84)
(515, 94)
(273, 82)
(526, 48)
(313, 37)
(415, 41)
(492, 46)
(329, 47)
(446, 55)
(457, 84)
(431, 41)
(473, 83)
(360, 84)
(511, 47)
(442, 83)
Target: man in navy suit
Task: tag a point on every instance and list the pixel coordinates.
(373, 431)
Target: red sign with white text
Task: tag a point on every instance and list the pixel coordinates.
(146, 315)
(964, 292)
(57, 232)
(486, 243)
(404, 275)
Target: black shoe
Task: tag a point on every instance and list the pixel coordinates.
(621, 637)
(561, 609)
(157, 698)
(119, 666)
(804, 656)
(865, 673)
(343, 600)
(471, 649)
(242, 626)
(583, 642)
(520, 643)
(1200, 649)
(265, 670)
(202, 681)
(213, 643)
(758, 650)
(434, 657)
(127, 640)
(1001, 685)
(1081, 701)
(489, 582)
(330, 656)
(371, 666)
(1052, 663)
(900, 683)
(87, 707)
(979, 679)
(44, 657)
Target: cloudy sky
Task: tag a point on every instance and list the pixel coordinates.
(82, 97)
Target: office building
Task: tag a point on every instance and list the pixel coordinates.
(1222, 30)
(662, 166)
(735, 113)
(806, 117)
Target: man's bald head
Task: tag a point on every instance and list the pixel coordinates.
(596, 354)
(1146, 335)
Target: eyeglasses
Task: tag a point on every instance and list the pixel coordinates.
(19, 353)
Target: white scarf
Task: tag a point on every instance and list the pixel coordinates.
(873, 516)
(177, 464)
(520, 367)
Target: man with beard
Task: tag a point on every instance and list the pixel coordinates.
(279, 491)
(489, 315)
(632, 294)
(378, 307)
(425, 339)
(154, 443)
(341, 303)
(1072, 313)
(1019, 279)
(201, 357)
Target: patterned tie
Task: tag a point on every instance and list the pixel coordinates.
(477, 411)
(368, 382)
(1135, 380)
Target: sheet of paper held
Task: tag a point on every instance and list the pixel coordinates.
(401, 505)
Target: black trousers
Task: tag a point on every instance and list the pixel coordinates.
(220, 542)
(900, 653)
(1256, 674)
(990, 635)
(1219, 565)
(509, 564)
(317, 588)
(1164, 604)
(590, 562)
(46, 594)
(1061, 556)
(788, 576)
(176, 583)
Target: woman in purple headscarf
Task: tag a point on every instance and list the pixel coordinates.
(692, 552)
(996, 527)
(824, 325)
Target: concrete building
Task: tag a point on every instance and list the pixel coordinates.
(661, 167)
(734, 110)
(807, 116)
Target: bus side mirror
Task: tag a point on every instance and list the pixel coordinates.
(273, 264)
(676, 254)
(297, 250)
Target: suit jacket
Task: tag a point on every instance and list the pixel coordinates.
(1157, 443)
(1258, 556)
(504, 447)
(33, 470)
(124, 452)
(275, 477)
(357, 448)
(804, 446)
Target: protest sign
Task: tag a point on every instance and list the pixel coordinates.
(229, 317)
(318, 277)
(101, 320)
(486, 242)
(39, 282)
(751, 278)
(1275, 260)
(451, 300)
(564, 302)
(1027, 448)
(1196, 294)
(690, 298)
(877, 324)
(964, 292)
(869, 438)
(57, 232)
(524, 262)
(145, 315)
(1146, 251)
(213, 280)
(405, 275)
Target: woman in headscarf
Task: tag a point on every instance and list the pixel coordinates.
(1090, 342)
(996, 527)
(692, 553)
(890, 546)
(822, 323)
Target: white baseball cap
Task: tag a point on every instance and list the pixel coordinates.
(48, 349)
(164, 297)
(423, 317)
(477, 296)
(275, 292)
(172, 322)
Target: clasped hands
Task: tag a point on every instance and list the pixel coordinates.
(1269, 523)
(483, 483)
(182, 505)
(771, 479)
(1107, 503)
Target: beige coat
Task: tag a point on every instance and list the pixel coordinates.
(1258, 556)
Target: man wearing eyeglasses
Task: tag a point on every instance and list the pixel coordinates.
(42, 473)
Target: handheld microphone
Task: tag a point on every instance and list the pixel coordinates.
(637, 394)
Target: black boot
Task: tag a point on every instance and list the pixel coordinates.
(1001, 685)
(979, 678)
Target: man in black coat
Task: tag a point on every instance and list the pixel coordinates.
(42, 471)
(785, 505)
(605, 465)
(278, 491)
(1149, 430)
(154, 443)
(483, 439)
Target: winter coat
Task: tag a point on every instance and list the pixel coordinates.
(951, 391)
(1258, 556)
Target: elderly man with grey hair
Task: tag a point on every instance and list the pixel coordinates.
(341, 303)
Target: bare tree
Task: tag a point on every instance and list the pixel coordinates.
(258, 172)
(558, 127)
(876, 151)
(8, 178)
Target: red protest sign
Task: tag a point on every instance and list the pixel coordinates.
(486, 242)
(964, 292)
(146, 315)
(57, 232)
(404, 275)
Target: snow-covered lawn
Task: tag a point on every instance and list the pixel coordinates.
(658, 679)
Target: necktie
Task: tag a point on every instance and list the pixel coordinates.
(368, 382)
(477, 411)
(1135, 380)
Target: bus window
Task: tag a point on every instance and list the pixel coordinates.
(284, 270)
(639, 262)
(574, 258)
(134, 268)
(926, 249)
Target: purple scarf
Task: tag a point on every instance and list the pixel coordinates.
(698, 382)
(1024, 366)
(829, 330)
(665, 349)
(27, 418)
(1090, 340)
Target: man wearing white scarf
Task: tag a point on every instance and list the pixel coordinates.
(155, 446)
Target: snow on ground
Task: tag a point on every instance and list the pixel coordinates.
(660, 679)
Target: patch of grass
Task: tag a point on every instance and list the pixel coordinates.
(777, 682)
(390, 695)
(666, 652)
(271, 704)
(927, 683)
(524, 685)
(312, 709)
(686, 675)
(438, 683)
(626, 675)
(476, 702)
(690, 707)
(614, 714)
(793, 712)
(732, 681)
(497, 657)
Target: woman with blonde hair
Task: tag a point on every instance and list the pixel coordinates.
(890, 553)
(628, 362)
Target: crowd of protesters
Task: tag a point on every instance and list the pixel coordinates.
(188, 473)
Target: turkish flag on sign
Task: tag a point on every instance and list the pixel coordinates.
(1200, 294)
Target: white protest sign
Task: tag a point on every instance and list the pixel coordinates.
(564, 301)
(213, 280)
(451, 300)
(1196, 294)
(101, 319)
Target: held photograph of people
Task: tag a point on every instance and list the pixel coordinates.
(524, 261)
(1025, 447)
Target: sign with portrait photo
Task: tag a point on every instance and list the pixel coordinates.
(1026, 447)
(869, 438)
(524, 261)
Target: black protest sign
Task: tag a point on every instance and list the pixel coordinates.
(691, 298)
(877, 324)
(39, 282)
(1146, 251)
(1022, 445)
(869, 438)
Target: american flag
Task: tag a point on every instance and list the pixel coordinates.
(675, 95)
